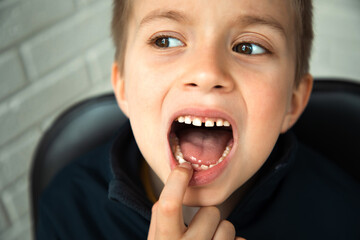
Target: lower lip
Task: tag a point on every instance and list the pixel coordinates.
(203, 177)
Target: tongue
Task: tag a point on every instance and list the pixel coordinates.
(202, 144)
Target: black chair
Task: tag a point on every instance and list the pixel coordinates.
(80, 128)
(330, 124)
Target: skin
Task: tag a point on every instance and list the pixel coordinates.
(202, 71)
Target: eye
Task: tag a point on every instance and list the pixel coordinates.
(249, 49)
(167, 42)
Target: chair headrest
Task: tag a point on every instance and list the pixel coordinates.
(331, 123)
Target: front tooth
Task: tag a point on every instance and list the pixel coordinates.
(204, 167)
(209, 123)
(187, 120)
(219, 122)
(195, 165)
(212, 165)
(181, 119)
(226, 124)
(197, 122)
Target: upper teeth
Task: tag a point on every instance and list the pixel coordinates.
(208, 122)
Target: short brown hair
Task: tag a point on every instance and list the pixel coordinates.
(303, 11)
(119, 25)
(304, 36)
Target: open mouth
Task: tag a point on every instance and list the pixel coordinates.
(203, 142)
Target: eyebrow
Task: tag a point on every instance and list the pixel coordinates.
(160, 14)
(249, 20)
(246, 20)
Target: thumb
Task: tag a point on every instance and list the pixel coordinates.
(151, 234)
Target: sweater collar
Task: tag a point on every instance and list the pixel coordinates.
(126, 186)
(267, 180)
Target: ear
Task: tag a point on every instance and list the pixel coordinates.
(119, 88)
(299, 100)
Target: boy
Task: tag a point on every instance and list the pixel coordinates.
(208, 87)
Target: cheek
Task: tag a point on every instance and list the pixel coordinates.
(141, 92)
(145, 91)
(267, 98)
(266, 104)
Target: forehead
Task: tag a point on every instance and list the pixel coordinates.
(274, 13)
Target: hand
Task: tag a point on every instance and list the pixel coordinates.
(167, 220)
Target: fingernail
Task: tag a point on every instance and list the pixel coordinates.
(186, 165)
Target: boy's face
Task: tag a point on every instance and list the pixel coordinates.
(232, 61)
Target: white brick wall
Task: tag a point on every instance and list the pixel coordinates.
(337, 42)
(65, 40)
(22, 18)
(54, 53)
(12, 77)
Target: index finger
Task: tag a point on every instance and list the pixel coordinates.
(169, 212)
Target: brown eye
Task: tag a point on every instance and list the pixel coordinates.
(244, 48)
(249, 49)
(162, 42)
(168, 42)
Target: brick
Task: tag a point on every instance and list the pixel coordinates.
(345, 64)
(99, 88)
(19, 19)
(100, 59)
(16, 199)
(7, 3)
(11, 72)
(319, 53)
(15, 159)
(353, 4)
(20, 228)
(336, 50)
(102, 87)
(66, 40)
(4, 222)
(42, 99)
(26, 234)
(83, 3)
(337, 20)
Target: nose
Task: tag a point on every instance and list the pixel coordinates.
(208, 71)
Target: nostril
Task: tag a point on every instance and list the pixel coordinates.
(195, 85)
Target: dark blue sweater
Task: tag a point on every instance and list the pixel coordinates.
(297, 195)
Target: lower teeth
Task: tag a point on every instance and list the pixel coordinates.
(180, 157)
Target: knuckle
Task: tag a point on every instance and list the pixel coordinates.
(227, 226)
(168, 207)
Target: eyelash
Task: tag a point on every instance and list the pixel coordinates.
(152, 42)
